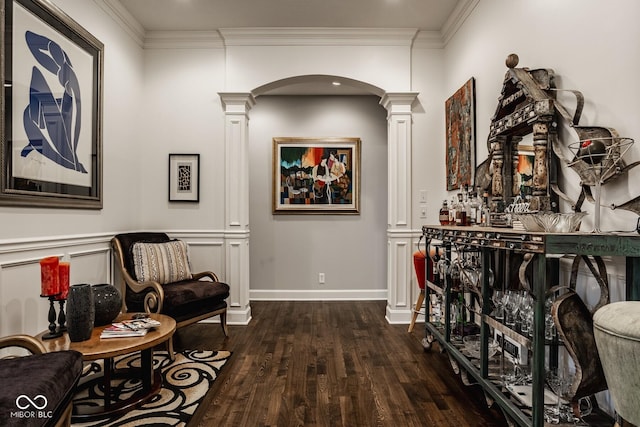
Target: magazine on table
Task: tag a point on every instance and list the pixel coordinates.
(129, 328)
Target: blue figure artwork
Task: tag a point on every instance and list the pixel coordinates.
(53, 124)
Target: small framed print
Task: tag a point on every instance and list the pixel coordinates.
(184, 178)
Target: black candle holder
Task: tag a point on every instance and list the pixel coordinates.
(53, 333)
(62, 318)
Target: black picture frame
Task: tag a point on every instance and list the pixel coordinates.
(51, 121)
(184, 178)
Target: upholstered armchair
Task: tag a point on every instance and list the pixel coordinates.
(37, 389)
(158, 279)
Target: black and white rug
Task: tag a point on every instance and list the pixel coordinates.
(185, 383)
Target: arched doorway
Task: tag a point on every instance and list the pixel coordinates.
(400, 238)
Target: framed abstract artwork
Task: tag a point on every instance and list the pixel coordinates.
(460, 136)
(316, 175)
(51, 148)
(184, 177)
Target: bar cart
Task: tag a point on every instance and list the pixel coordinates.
(467, 310)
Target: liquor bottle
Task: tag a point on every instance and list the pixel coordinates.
(461, 213)
(485, 220)
(444, 213)
(466, 203)
(452, 212)
(474, 216)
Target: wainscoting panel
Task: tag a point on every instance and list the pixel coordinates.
(21, 308)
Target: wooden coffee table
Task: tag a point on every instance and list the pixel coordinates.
(106, 349)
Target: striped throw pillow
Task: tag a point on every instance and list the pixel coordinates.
(162, 262)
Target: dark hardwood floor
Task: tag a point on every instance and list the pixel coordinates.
(332, 364)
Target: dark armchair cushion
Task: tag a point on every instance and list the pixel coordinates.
(186, 299)
(51, 375)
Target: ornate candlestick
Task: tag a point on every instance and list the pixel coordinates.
(62, 318)
(53, 333)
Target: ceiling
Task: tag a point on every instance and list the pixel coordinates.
(435, 16)
(203, 15)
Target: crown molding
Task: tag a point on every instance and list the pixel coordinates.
(428, 40)
(457, 18)
(315, 36)
(123, 18)
(183, 39)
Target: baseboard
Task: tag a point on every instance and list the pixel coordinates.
(398, 317)
(318, 295)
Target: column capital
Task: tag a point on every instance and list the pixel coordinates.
(398, 102)
(237, 102)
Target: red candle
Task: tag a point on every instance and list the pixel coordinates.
(49, 276)
(63, 279)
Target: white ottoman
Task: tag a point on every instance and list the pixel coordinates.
(617, 333)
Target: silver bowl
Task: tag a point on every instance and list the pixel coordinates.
(551, 222)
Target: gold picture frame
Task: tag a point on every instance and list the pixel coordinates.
(316, 175)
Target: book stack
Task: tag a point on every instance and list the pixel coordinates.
(129, 328)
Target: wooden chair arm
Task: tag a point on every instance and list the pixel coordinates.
(209, 274)
(154, 297)
(23, 341)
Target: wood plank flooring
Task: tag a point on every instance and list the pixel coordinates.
(332, 364)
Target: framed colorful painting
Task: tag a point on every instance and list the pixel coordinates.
(316, 175)
(51, 153)
(460, 136)
(184, 177)
(524, 172)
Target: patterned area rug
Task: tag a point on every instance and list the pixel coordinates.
(185, 383)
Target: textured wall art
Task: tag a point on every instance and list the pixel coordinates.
(184, 177)
(460, 136)
(316, 175)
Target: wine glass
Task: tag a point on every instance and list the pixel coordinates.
(560, 382)
(498, 311)
(524, 310)
(512, 301)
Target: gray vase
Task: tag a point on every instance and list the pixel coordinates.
(107, 301)
(80, 312)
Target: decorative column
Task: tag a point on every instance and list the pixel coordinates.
(399, 234)
(236, 233)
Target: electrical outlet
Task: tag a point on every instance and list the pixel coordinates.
(423, 211)
(321, 278)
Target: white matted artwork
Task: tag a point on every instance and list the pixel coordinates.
(184, 177)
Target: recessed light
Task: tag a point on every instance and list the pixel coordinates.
(336, 83)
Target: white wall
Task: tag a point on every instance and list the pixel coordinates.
(123, 76)
(591, 45)
(28, 234)
(288, 251)
(181, 112)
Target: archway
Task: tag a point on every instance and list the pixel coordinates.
(400, 237)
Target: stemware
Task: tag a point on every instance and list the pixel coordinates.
(498, 303)
(559, 382)
(512, 302)
(525, 311)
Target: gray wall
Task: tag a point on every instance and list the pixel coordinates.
(288, 251)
